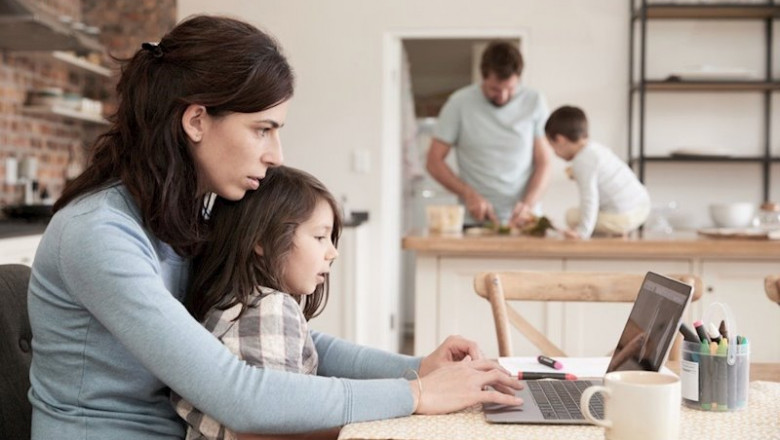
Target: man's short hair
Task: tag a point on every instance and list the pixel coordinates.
(501, 58)
(567, 121)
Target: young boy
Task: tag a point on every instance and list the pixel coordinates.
(612, 200)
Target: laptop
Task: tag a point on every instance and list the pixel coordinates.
(643, 345)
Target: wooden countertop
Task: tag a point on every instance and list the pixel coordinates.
(680, 245)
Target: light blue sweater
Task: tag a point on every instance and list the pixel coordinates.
(110, 335)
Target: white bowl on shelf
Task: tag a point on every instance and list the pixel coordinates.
(732, 215)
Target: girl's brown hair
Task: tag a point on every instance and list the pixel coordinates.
(221, 63)
(227, 269)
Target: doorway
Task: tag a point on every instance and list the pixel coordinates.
(422, 69)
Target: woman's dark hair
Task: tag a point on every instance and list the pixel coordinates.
(227, 66)
(567, 121)
(227, 269)
(502, 59)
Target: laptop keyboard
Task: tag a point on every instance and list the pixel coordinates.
(560, 399)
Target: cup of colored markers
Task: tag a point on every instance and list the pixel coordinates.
(715, 369)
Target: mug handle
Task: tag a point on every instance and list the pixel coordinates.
(585, 407)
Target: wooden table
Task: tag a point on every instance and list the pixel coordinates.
(679, 245)
(760, 420)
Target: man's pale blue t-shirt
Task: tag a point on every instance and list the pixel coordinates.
(494, 145)
(110, 336)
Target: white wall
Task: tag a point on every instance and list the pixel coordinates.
(577, 54)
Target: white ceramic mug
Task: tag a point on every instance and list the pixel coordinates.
(638, 405)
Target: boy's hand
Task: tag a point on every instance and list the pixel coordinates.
(571, 233)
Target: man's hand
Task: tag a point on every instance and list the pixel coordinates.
(479, 208)
(521, 214)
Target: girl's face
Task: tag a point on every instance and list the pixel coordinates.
(312, 252)
(233, 152)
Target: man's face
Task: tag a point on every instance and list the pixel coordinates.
(499, 91)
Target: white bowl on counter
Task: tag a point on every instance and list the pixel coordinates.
(732, 215)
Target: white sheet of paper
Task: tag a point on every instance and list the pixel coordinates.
(582, 367)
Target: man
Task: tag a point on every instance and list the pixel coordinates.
(497, 130)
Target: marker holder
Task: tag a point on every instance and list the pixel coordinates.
(716, 382)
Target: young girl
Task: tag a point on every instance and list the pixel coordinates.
(262, 276)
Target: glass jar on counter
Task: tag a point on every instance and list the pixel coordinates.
(768, 216)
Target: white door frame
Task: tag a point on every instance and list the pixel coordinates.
(390, 190)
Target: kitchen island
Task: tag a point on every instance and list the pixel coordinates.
(445, 303)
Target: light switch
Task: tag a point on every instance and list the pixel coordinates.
(361, 161)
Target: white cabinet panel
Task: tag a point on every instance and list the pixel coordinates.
(461, 311)
(19, 250)
(592, 329)
(348, 311)
(740, 284)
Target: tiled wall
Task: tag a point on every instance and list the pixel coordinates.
(52, 140)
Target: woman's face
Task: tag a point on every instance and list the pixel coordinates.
(312, 253)
(233, 152)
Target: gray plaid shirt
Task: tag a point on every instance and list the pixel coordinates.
(272, 333)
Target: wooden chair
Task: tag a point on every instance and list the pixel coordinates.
(772, 287)
(500, 287)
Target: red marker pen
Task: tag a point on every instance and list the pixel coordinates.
(533, 375)
(550, 362)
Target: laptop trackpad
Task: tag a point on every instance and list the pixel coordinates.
(528, 412)
(546, 402)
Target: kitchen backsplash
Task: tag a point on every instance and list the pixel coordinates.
(59, 144)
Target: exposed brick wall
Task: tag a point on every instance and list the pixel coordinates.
(53, 140)
(128, 23)
(49, 139)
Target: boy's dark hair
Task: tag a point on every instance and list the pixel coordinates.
(227, 269)
(501, 58)
(221, 63)
(567, 121)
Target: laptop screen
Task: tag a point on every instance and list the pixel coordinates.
(652, 324)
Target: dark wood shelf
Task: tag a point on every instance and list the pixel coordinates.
(708, 86)
(726, 11)
(764, 13)
(708, 159)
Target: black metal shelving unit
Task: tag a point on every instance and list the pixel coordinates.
(641, 12)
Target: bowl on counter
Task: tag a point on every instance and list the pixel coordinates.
(732, 215)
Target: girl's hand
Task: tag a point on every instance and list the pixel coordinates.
(460, 385)
(453, 349)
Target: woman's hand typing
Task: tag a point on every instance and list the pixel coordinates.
(462, 384)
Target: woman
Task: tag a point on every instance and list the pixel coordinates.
(199, 113)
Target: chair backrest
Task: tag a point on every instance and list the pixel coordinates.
(15, 352)
(500, 287)
(772, 287)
